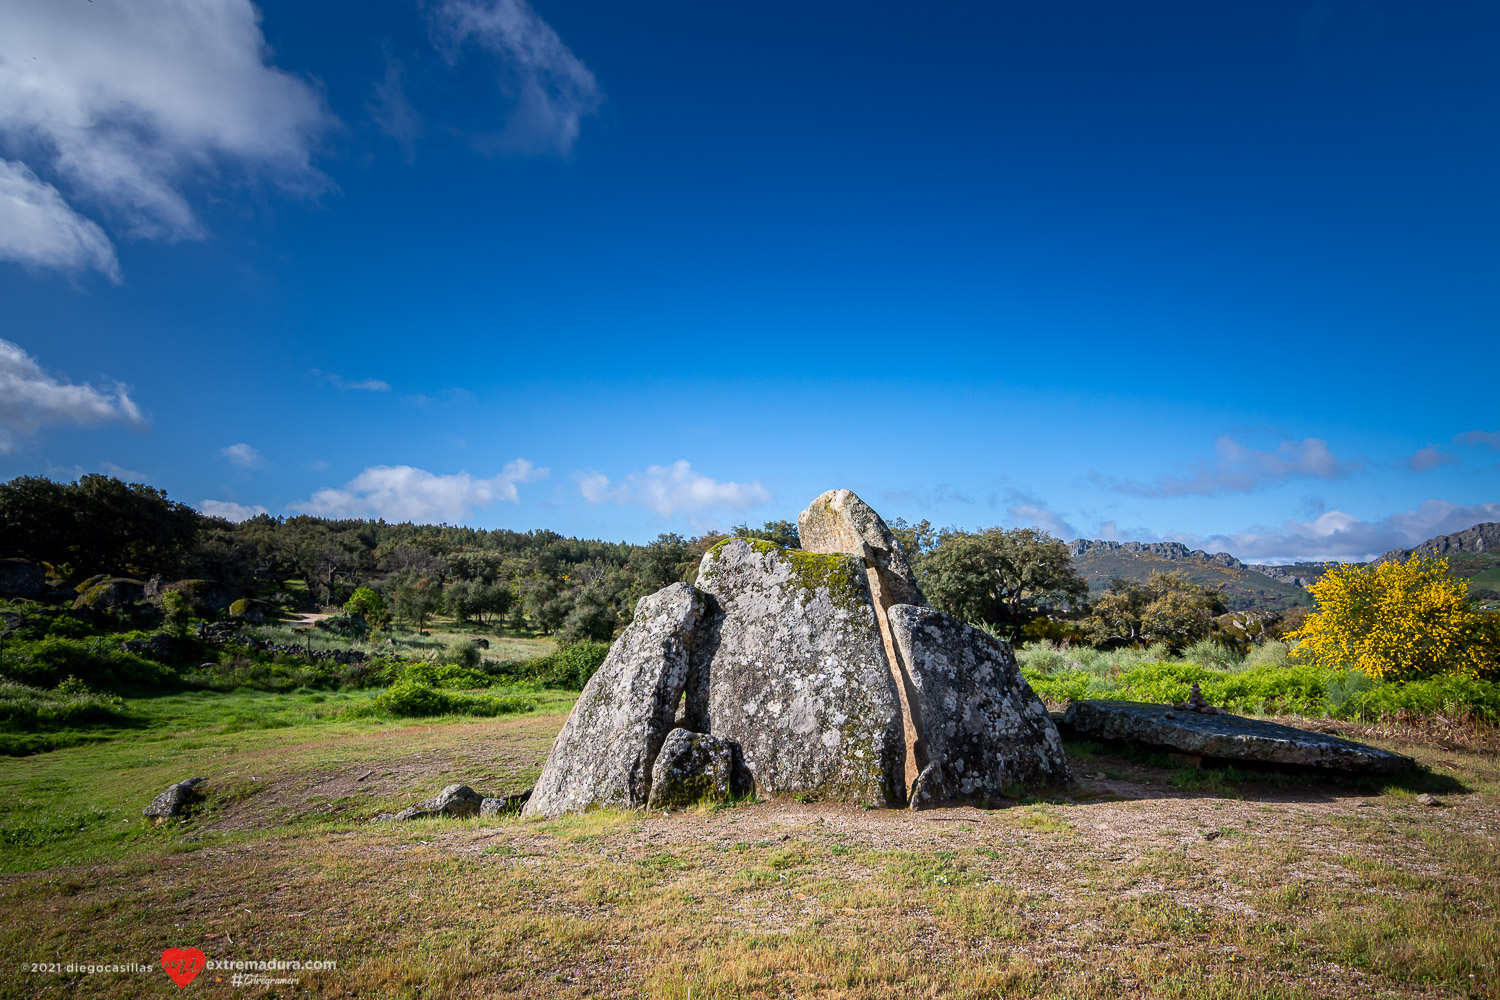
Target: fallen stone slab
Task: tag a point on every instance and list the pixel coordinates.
(175, 801)
(1229, 737)
(698, 767)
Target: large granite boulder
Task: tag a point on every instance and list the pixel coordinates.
(1229, 737)
(839, 521)
(698, 767)
(792, 668)
(108, 594)
(604, 755)
(21, 578)
(982, 731)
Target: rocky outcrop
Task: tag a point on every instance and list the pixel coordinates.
(792, 668)
(21, 578)
(175, 802)
(1229, 737)
(1480, 538)
(982, 731)
(604, 755)
(698, 767)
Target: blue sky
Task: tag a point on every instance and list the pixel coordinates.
(1222, 273)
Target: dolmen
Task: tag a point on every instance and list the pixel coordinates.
(818, 672)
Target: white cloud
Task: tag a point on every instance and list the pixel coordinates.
(39, 229)
(550, 89)
(1429, 458)
(245, 456)
(31, 399)
(123, 103)
(231, 511)
(1340, 536)
(1491, 438)
(404, 493)
(670, 490)
(1237, 468)
(359, 385)
(392, 111)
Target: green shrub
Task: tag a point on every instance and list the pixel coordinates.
(413, 700)
(465, 653)
(26, 709)
(445, 675)
(100, 663)
(1213, 654)
(569, 667)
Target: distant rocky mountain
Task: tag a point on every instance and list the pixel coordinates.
(1482, 538)
(1242, 586)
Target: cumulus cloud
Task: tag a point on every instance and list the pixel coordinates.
(549, 88)
(1029, 511)
(671, 489)
(39, 229)
(1237, 468)
(1491, 438)
(121, 104)
(231, 511)
(31, 399)
(1429, 458)
(1340, 536)
(403, 493)
(245, 456)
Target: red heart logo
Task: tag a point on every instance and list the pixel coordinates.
(182, 964)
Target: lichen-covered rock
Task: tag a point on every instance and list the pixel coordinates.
(21, 578)
(839, 521)
(175, 801)
(603, 756)
(1227, 736)
(455, 801)
(109, 594)
(697, 767)
(792, 668)
(981, 731)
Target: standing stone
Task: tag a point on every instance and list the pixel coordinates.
(792, 668)
(697, 767)
(839, 521)
(982, 731)
(603, 756)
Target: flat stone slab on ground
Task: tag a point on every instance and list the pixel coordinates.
(1230, 737)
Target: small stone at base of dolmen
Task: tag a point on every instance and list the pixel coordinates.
(504, 805)
(697, 767)
(1229, 737)
(175, 801)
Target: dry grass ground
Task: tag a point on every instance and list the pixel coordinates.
(1144, 880)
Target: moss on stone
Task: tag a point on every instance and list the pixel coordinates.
(835, 572)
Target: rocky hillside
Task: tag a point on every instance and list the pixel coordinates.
(1482, 539)
(1242, 586)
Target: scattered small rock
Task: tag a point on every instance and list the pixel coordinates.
(1427, 800)
(1211, 834)
(505, 805)
(175, 801)
(362, 777)
(1099, 776)
(456, 801)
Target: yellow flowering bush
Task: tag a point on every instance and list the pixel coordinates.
(1398, 621)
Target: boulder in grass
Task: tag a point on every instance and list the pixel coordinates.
(504, 805)
(175, 802)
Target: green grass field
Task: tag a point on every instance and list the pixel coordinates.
(1145, 878)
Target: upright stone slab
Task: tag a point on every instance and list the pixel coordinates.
(792, 668)
(981, 730)
(839, 521)
(603, 756)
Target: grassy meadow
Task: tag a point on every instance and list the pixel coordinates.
(1145, 878)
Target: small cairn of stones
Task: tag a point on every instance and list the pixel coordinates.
(1196, 703)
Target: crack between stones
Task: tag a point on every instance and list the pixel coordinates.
(913, 753)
